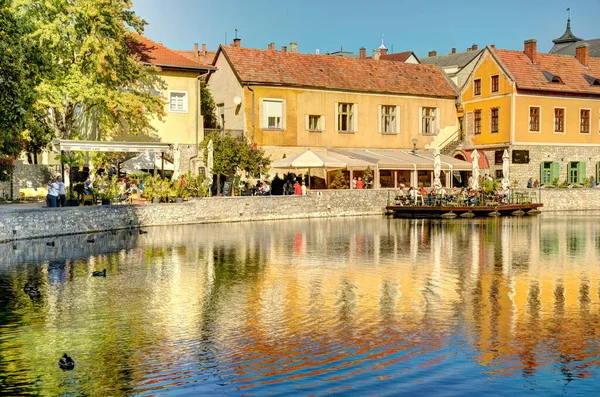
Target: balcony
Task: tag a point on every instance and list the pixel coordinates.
(223, 132)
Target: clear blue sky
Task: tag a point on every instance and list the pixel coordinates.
(419, 26)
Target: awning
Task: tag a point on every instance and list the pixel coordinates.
(104, 146)
(147, 161)
(483, 161)
(309, 159)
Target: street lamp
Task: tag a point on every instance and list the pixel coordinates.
(414, 141)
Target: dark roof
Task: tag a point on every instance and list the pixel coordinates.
(568, 36)
(569, 48)
(270, 67)
(460, 59)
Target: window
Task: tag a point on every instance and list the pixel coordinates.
(520, 156)
(272, 114)
(477, 114)
(345, 117)
(221, 115)
(499, 175)
(576, 172)
(534, 119)
(549, 172)
(495, 83)
(314, 123)
(178, 102)
(498, 156)
(477, 87)
(559, 120)
(494, 115)
(428, 126)
(585, 121)
(388, 120)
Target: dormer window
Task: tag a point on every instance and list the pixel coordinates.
(552, 78)
(592, 80)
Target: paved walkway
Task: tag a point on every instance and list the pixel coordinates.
(21, 206)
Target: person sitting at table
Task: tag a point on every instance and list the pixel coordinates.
(88, 186)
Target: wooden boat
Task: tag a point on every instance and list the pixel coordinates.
(443, 211)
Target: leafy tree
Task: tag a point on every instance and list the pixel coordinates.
(207, 106)
(231, 154)
(36, 136)
(96, 74)
(339, 182)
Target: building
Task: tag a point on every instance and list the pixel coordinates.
(568, 42)
(543, 108)
(457, 65)
(287, 102)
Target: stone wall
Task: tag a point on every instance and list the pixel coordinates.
(72, 220)
(26, 176)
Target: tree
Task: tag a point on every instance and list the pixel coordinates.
(96, 75)
(20, 65)
(231, 154)
(37, 136)
(207, 106)
(339, 182)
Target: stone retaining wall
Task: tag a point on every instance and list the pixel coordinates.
(45, 222)
(26, 176)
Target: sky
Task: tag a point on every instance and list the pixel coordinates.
(417, 25)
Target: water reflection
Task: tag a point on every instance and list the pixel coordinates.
(363, 305)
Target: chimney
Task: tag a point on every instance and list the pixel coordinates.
(454, 50)
(468, 49)
(493, 45)
(293, 46)
(203, 49)
(283, 48)
(531, 49)
(363, 53)
(582, 54)
(432, 53)
(375, 54)
(272, 46)
(474, 47)
(237, 42)
(383, 52)
(196, 49)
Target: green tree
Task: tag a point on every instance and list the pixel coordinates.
(207, 106)
(339, 182)
(231, 154)
(37, 136)
(96, 69)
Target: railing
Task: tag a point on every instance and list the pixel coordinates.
(223, 132)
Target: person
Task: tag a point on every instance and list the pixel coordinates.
(442, 192)
(360, 184)
(536, 183)
(88, 186)
(297, 189)
(62, 192)
(354, 183)
(266, 189)
(593, 182)
(303, 189)
(369, 182)
(530, 183)
(52, 196)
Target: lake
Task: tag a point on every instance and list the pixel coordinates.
(355, 306)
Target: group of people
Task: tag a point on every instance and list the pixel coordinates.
(263, 188)
(468, 196)
(57, 193)
(360, 184)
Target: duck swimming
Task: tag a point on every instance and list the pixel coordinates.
(99, 274)
(66, 363)
(91, 240)
(50, 243)
(143, 231)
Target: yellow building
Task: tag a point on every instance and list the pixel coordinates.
(286, 102)
(544, 108)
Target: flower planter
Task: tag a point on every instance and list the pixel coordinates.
(105, 201)
(72, 203)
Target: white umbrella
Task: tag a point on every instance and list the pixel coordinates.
(209, 161)
(309, 159)
(147, 161)
(437, 169)
(176, 161)
(475, 165)
(505, 170)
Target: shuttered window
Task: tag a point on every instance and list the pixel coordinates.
(272, 117)
(576, 172)
(549, 172)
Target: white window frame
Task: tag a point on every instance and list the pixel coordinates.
(396, 123)
(185, 101)
(436, 121)
(265, 117)
(321, 122)
(590, 121)
(564, 120)
(354, 118)
(540, 119)
(492, 85)
(480, 87)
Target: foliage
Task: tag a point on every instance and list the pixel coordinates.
(231, 154)
(109, 188)
(368, 172)
(339, 182)
(564, 184)
(489, 186)
(36, 136)
(96, 84)
(207, 106)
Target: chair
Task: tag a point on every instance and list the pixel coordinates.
(88, 199)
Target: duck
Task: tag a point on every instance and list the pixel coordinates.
(143, 231)
(50, 243)
(28, 288)
(99, 274)
(66, 363)
(33, 294)
(91, 239)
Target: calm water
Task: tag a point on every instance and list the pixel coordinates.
(366, 306)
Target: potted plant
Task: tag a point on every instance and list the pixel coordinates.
(109, 191)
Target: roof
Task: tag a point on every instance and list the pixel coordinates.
(156, 54)
(271, 67)
(198, 57)
(569, 48)
(399, 56)
(459, 59)
(568, 36)
(530, 76)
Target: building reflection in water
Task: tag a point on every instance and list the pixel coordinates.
(304, 303)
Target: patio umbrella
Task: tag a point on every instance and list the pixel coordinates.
(505, 170)
(176, 161)
(475, 169)
(309, 159)
(209, 161)
(437, 168)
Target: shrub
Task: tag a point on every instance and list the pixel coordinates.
(339, 182)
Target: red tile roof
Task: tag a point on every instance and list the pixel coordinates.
(330, 72)
(399, 56)
(530, 76)
(202, 59)
(154, 53)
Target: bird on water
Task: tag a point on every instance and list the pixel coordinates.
(99, 274)
(66, 363)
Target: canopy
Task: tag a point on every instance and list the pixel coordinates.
(309, 159)
(147, 161)
(109, 146)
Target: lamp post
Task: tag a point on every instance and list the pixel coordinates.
(414, 142)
